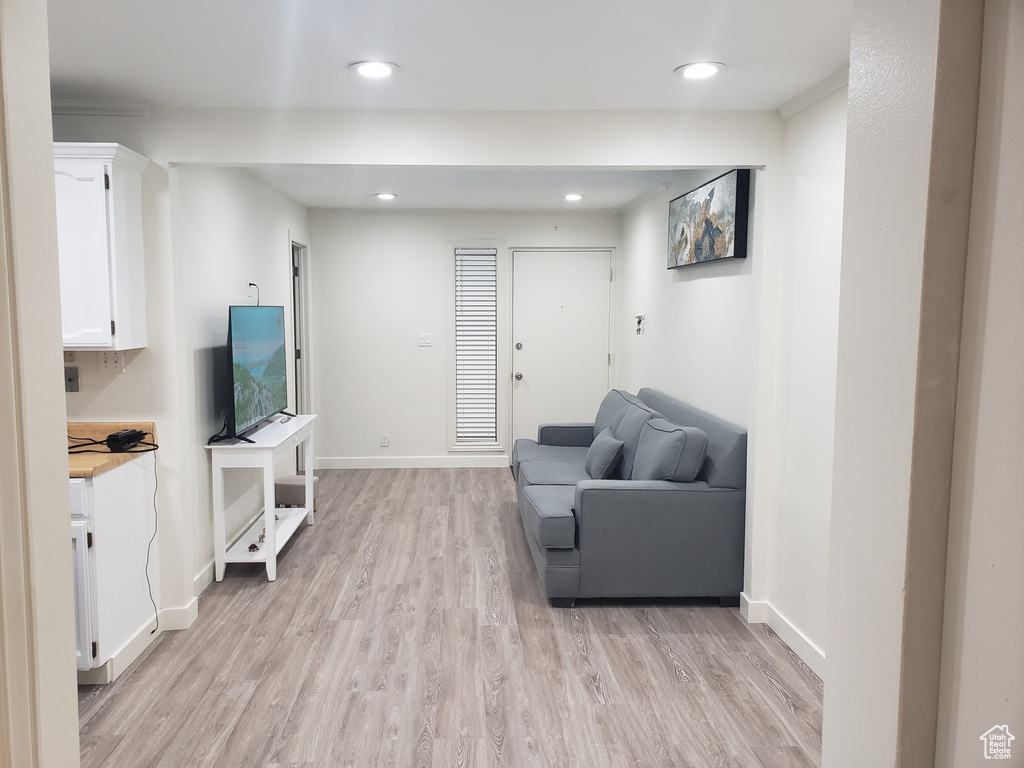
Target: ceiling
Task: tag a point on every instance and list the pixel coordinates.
(454, 55)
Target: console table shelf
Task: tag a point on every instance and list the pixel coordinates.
(268, 443)
(288, 522)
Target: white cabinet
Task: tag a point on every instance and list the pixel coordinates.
(99, 241)
(112, 523)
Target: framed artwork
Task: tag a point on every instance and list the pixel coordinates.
(710, 223)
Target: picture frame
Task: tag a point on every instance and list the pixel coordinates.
(710, 223)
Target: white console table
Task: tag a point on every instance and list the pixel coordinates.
(268, 443)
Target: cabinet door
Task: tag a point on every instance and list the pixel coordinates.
(83, 593)
(84, 254)
(123, 522)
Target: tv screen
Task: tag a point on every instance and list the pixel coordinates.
(259, 370)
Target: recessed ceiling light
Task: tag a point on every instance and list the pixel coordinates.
(374, 69)
(385, 195)
(699, 70)
(573, 197)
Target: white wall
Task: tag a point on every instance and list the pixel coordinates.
(147, 390)
(982, 682)
(807, 299)
(700, 329)
(229, 229)
(910, 144)
(380, 280)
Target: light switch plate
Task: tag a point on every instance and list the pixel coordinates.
(112, 362)
(424, 339)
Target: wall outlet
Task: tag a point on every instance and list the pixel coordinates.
(385, 441)
(70, 378)
(112, 362)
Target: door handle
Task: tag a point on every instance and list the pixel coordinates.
(519, 345)
(519, 376)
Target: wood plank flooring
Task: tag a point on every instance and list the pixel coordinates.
(407, 628)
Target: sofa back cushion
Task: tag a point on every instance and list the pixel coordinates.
(726, 463)
(611, 410)
(628, 431)
(667, 451)
(604, 456)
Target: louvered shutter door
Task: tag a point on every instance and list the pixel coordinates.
(476, 345)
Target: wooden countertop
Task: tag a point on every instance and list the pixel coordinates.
(92, 464)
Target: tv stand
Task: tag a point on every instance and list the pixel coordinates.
(259, 452)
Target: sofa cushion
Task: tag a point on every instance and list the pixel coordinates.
(611, 410)
(603, 456)
(667, 451)
(551, 473)
(547, 515)
(525, 450)
(628, 431)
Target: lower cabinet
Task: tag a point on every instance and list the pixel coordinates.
(113, 520)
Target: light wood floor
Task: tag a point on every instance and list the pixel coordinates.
(407, 628)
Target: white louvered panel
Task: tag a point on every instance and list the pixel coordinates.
(476, 345)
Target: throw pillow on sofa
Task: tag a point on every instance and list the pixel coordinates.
(603, 456)
(667, 451)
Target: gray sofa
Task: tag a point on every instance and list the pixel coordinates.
(646, 501)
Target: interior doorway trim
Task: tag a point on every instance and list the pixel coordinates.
(299, 248)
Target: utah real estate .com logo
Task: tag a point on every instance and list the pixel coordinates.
(997, 742)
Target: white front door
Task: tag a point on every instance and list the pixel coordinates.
(560, 310)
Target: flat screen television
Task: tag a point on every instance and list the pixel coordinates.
(259, 369)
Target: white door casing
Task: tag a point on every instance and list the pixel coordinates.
(303, 349)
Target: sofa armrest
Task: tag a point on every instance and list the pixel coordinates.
(578, 435)
(659, 538)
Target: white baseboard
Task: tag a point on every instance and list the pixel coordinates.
(122, 659)
(170, 618)
(202, 580)
(763, 612)
(97, 675)
(411, 462)
(798, 642)
(754, 611)
(180, 618)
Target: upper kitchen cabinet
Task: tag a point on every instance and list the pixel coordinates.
(99, 239)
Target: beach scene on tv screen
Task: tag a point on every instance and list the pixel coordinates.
(258, 364)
